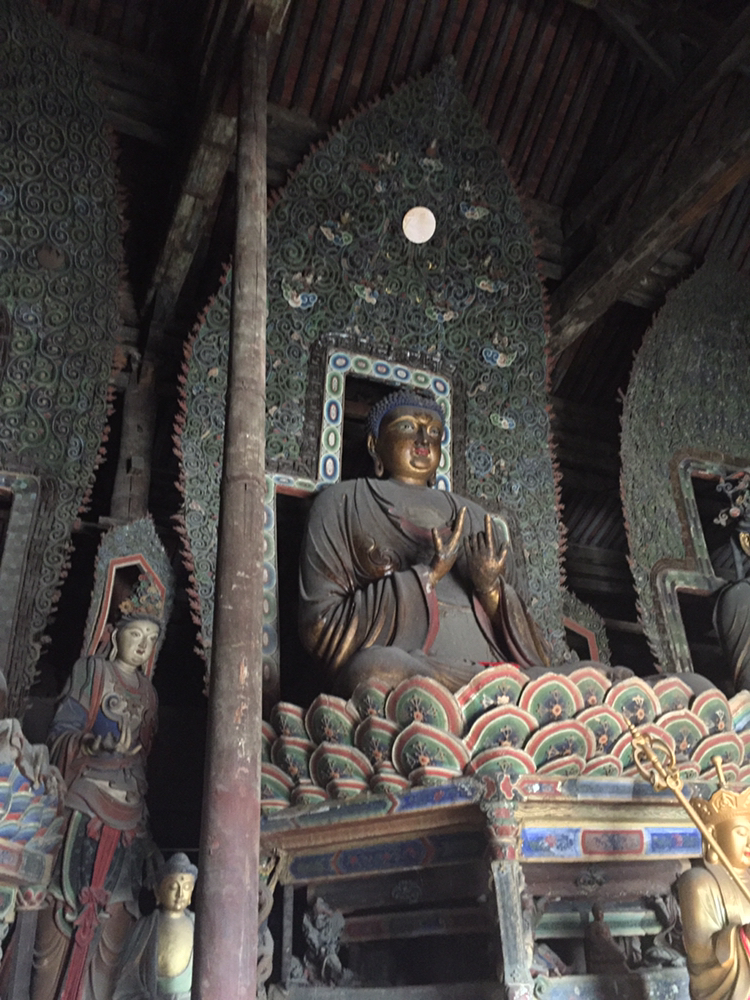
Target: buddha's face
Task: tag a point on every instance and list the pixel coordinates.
(135, 642)
(174, 892)
(408, 444)
(733, 837)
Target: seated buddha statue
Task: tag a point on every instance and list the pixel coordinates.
(398, 578)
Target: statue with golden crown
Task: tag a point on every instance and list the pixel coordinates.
(100, 738)
(715, 894)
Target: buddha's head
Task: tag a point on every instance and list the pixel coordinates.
(174, 890)
(726, 816)
(405, 434)
(133, 641)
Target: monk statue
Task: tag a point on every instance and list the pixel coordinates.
(715, 910)
(157, 960)
(398, 578)
(99, 738)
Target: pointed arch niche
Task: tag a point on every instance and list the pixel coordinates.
(352, 304)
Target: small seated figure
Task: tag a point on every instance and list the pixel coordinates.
(399, 579)
(157, 961)
(602, 954)
(715, 913)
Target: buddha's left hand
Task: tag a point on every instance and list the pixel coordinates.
(485, 564)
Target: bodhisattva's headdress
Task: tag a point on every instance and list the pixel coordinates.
(722, 806)
(402, 397)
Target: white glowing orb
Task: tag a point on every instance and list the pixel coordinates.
(419, 224)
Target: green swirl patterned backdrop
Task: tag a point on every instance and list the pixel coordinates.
(469, 302)
(688, 394)
(60, 254)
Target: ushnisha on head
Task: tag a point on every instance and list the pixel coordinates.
(404, 437)
(134, 639)
(727, 816)
(176, 881)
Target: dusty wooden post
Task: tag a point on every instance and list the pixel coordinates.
(227, 906)
(514, 931)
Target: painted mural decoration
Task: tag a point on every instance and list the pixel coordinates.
(684, 440)
(60, 251)
(465, 308)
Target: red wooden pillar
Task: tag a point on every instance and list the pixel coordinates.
(226, 943)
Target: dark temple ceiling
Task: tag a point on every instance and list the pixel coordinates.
(625, 124)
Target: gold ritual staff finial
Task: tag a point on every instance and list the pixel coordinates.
(656, 762)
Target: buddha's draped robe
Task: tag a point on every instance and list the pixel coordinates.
(364, 582)
(714, 913)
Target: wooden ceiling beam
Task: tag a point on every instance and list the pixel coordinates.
(212, 152)
(654, 136)
(698, 178)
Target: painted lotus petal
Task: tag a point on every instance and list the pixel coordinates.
(560, 740)
(728, 746)
(335, 760)
(673, 693)
(505, 725)
(739, 705)
(374, 737)
(603, 766)
(330, 720)
(635, 700)
(368, 698)
(592, 683)
(745, 737)
(605, 725)
(275, 784)
(389, 782)
(551, 698)
(566, 767)
(307, 794)
(425, 700)
(501, 760)
(288, 720)
(267, 738)
(713, 708)
(498, 684)
(420, 745)
(293, 755)
(686, 729)
(346, 788)
(430, 775)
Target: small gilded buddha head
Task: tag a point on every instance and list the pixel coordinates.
(174, 889)
(726, 816)
(404, 437)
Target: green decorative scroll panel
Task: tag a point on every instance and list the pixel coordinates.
(466, 306)
(60, 254)
(685, 414)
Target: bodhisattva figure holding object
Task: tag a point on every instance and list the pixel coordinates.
(715, 896)
(399, 579)
(100, 738)
(157, 960)
(715, 912)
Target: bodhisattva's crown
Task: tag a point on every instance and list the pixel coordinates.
(722, 806)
